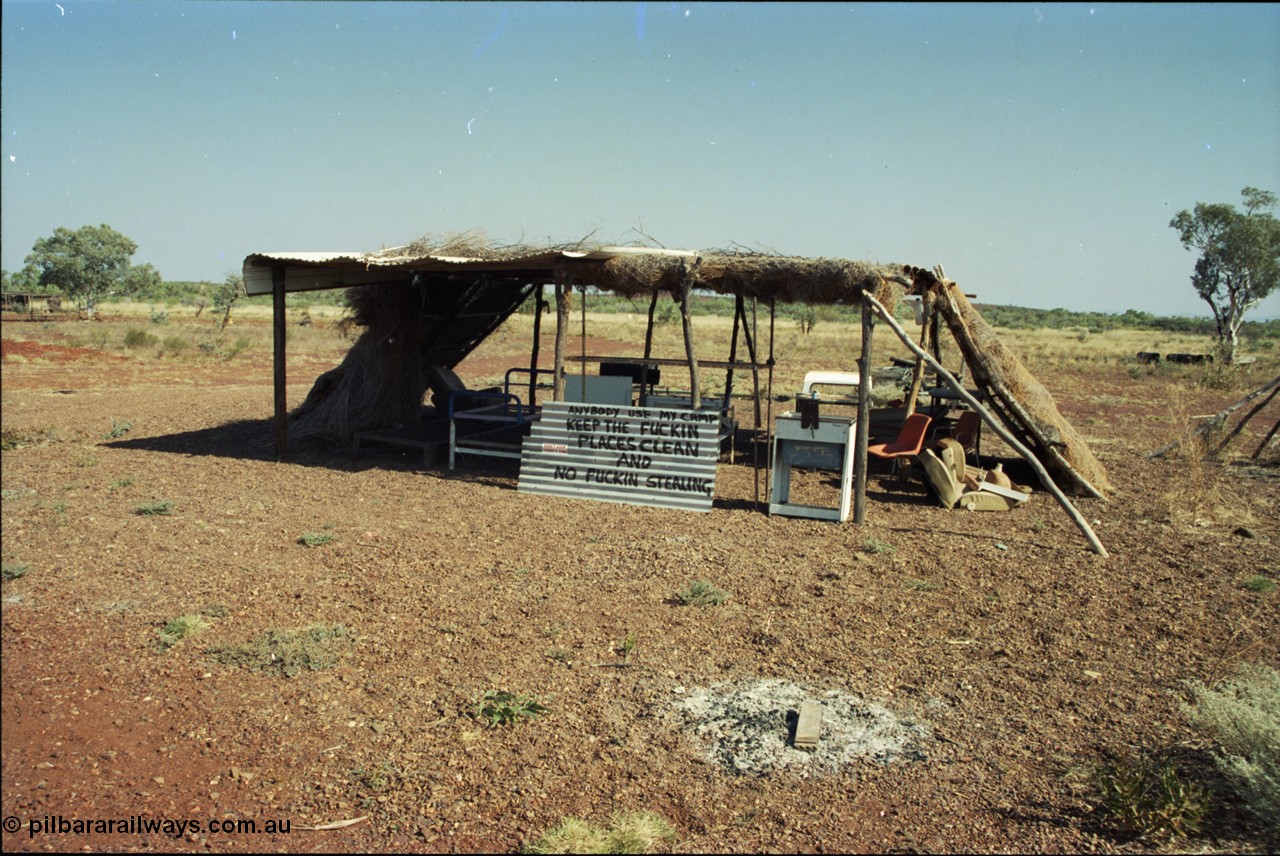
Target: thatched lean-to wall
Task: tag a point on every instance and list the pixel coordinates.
(382, 380)
(1016, 396)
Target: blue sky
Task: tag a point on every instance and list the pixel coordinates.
(1037, 152)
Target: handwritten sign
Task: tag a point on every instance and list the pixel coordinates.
(636, 455)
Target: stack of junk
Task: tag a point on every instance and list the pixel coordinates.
(957, 484)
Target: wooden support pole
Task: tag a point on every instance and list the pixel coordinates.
(1217, 420)
(562, 296)
(1266, 440)
(733, 356)
(582, 352)
(278, 334)
(749, 336)
(768, 430)
(1231, 435)
(917, 374)
(686, 282)
(995, 424)
(648, 330)
(539, 304)
(860, 437)
(648, 351)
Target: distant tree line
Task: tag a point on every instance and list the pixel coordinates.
(1021, 318)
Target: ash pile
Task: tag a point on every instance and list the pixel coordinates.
(749, 728)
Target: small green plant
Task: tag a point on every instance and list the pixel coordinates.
(876, 547)
(316, 539)
(87, 461)
(702, 593)
(1147, 797)
(119, 483)
(502, 708)
(118, 429)
(559, 655)
(287, 652)
(182, 627)
(632, 832)
(14, 570)
(379, 779)
(626, 647)
(1260, 583)
(919, 585)
(1244, 715)
(152, 509)
(139, 339)
(10, 440)
(159, 316)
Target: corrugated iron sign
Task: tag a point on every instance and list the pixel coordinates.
(635, 455)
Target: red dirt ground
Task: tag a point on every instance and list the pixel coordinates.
(1027, 658)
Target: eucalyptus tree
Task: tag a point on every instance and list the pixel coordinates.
(1239, 260)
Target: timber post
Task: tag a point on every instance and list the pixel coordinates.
(538, 306)
(562, 328)
(686, 282)
(278, 335)
(864, 417)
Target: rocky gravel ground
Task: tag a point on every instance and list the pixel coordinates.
(972, 668)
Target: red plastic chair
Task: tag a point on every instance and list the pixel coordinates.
(966, 430)
(908, 444)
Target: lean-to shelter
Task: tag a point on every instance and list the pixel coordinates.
(429, 305)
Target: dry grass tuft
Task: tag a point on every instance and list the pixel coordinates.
(635, 832)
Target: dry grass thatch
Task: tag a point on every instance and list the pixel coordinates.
(381, 381)
(788, 279)
(1022, 402)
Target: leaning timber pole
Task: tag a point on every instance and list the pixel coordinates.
(996, 426)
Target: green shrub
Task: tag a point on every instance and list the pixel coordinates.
(1244, 715)
(14, 570)
(118, 429)
(174, 345)
(1260, 583)
(1145, 796)
(499, 707)
(243, 343)
(702, 593)
(287, 652)
(139, 339)
(315, 539)
(182, 627)
(150, 509)
(877, 547)
(159, 316)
